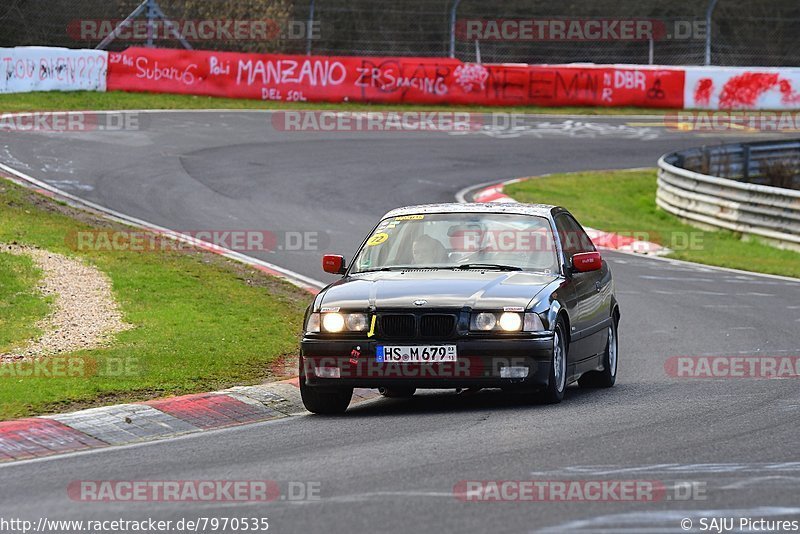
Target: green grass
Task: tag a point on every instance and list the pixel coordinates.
(624, 202)
(201, 322)
(114, 100)
(21, 304)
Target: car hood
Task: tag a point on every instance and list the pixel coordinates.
(439, 288)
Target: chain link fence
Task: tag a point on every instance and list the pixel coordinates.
(742, 32)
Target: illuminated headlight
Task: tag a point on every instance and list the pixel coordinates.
(511, 321)
(334, 322)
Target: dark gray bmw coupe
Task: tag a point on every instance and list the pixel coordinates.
(511, 296)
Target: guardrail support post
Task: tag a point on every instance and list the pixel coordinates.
(746, 163)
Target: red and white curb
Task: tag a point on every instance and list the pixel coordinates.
(601, 239)
(123, 424)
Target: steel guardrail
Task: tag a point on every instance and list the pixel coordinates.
(730, 192)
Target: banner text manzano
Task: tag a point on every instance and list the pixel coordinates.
(391, 80)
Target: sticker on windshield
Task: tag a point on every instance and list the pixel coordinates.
(409, 218)
(377, 239)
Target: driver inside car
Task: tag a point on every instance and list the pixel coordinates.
(428, 251)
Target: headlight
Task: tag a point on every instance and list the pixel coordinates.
(334, 322)
(506, 322)
(484, 321)
(356, 322)
(511, 321)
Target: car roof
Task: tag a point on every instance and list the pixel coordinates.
(516, 208)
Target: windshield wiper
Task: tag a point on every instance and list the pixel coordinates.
(489, 266)
(394, 268)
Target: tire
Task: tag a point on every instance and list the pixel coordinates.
(397, 392)
(557, 380)
(324, 400)
(608, 376)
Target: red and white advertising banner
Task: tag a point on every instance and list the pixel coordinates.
(35, 68)
(391, 79)
(742, 88)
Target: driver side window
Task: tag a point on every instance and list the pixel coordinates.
(574, 239)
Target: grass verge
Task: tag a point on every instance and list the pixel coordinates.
(119, 100)
(21, 305)
(201, 322)
(624, 202)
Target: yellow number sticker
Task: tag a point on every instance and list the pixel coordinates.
(410, 218)
(377, 239)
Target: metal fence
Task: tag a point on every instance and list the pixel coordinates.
(723, 187)
(741, 32)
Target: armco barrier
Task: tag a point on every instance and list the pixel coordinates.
(34, 68)
(392, 79)
(749, 208)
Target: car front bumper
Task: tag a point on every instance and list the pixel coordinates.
(480, 363)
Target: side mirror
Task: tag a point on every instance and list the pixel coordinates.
(587, 261)
(333, 263)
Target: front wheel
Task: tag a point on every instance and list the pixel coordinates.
(557, 381)
(325, 400)
(608, 376)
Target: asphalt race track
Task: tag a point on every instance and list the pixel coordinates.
(391, 465)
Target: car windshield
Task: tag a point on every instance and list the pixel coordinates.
(459, 241)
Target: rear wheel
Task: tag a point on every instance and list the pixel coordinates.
(325, 400)
(608, 376)
(557, 381)
(397, 392)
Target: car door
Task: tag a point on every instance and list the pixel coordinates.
(587, 311)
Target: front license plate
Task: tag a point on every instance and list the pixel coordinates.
(416, 353)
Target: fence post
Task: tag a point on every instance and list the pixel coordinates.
(122, 25)
(151, 18)
(453, 28)
(152, 11)
(310, 24)
(711, 5)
